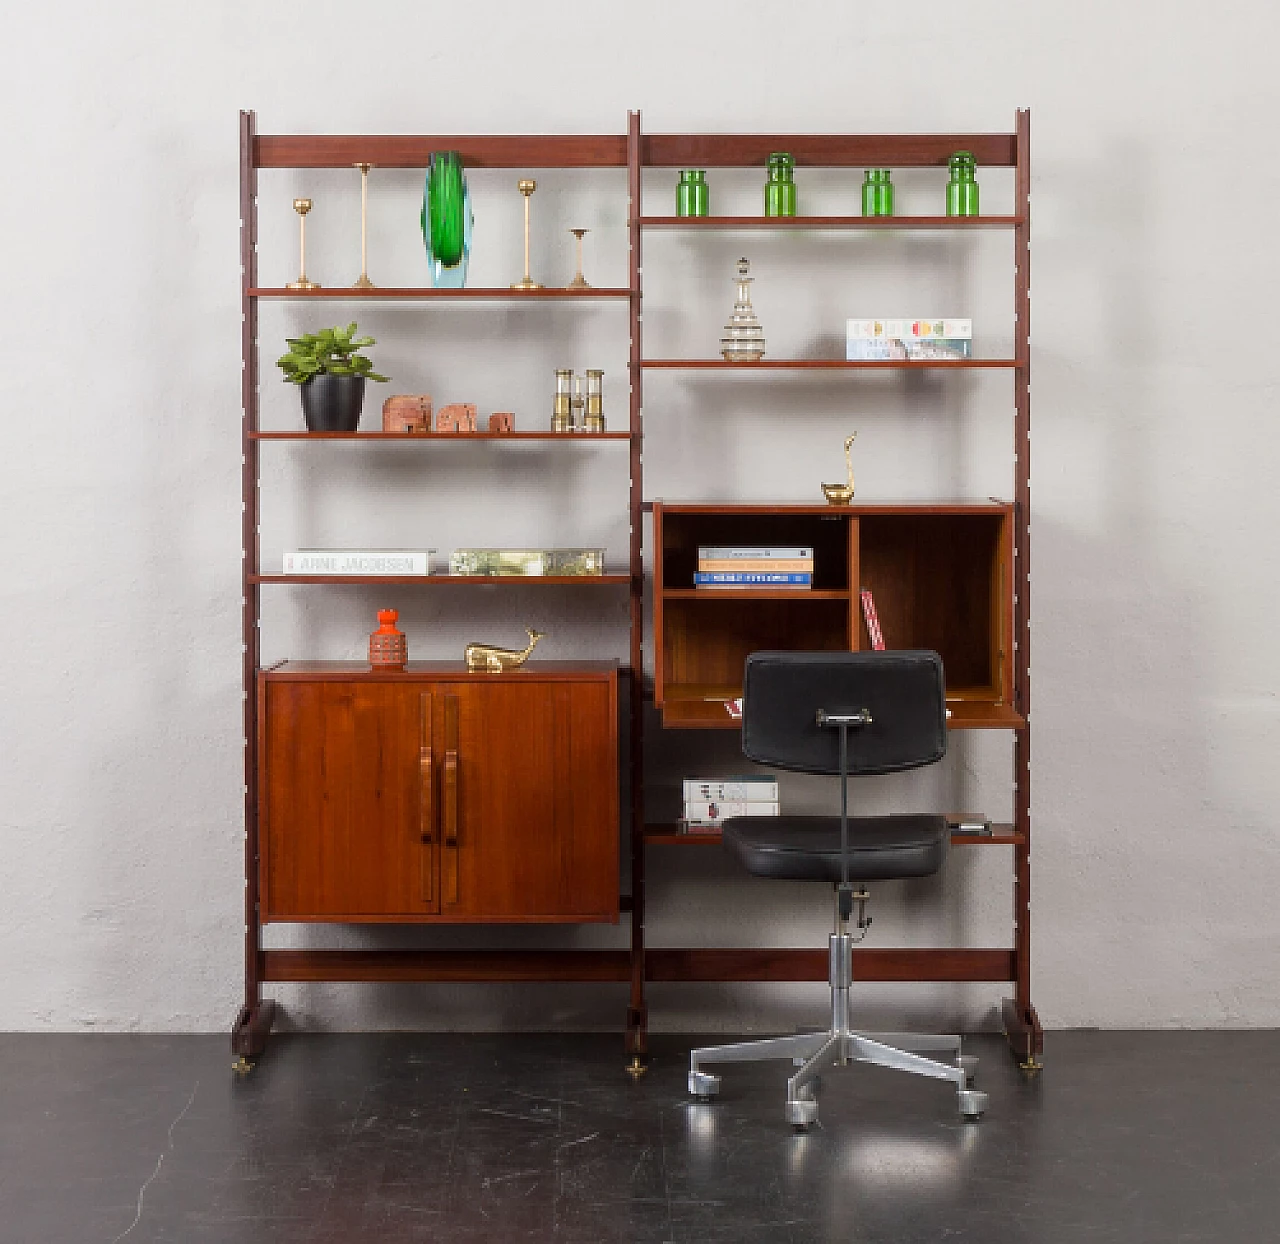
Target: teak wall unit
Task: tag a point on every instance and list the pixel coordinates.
(440, 858)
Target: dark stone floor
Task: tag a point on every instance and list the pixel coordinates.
(1124, 1137)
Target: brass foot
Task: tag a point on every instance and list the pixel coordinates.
(242, 1066)
(636, 1067)
(1032, 1067)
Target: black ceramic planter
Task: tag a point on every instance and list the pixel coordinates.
(332, 403)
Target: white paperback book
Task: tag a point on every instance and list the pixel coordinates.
(751, 789)
(358, 561)
(710, 812)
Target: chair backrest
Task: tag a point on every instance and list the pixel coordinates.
(903, 691)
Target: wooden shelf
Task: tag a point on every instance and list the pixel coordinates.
(522, 151)
(453, 580)
(702, 707)
(570, 437)
(754, 593)
(669, 836)
(346, 670)
(342, 293)
(874, 223)
(827, 364)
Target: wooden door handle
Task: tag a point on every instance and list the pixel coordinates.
(449, 800)
(426, 775)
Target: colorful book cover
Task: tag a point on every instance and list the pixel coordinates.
(750, 552)
(775, 565)
(752, 578)
(872, 620)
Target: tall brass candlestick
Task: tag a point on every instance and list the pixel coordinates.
(302, 207)
(362, 281)
(526, 186)
(579, 281)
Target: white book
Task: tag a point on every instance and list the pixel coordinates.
(358, 561)
(750, 789)
(713, 811)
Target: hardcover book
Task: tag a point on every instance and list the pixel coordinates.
(717, 552)
(750, 789)
(752, 578)
(712, 812)
(872, 619)
(778, 565)
(358, 561)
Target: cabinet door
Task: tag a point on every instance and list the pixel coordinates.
(528, 800)
(348, 825)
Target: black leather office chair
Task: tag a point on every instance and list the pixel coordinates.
(845, 713)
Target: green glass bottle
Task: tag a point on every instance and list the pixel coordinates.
(962, 189)
(780, 189)
(692, 198)
(877, 193)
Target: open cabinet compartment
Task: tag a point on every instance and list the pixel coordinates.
(941, 578)
(942, 581)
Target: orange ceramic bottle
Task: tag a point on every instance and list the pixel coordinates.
(388, 649)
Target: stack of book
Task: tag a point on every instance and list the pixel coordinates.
(708, 803)
(754, 567)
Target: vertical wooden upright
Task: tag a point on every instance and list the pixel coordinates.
(637, 1012)
(254, 1020)
(1021, 1022)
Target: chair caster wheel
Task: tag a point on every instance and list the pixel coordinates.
(703, 1086)
(802, 1112)
(973, 1105)
(969, 1064)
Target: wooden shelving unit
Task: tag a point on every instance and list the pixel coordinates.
(979, 550)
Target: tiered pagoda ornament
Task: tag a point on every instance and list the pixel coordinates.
(743, 340)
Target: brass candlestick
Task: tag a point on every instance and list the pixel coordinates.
(302, 207)
(362, 281)
(526, 186)
(579, 281)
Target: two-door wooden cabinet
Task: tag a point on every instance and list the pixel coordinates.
(438, 795)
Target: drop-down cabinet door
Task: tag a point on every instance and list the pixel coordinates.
(528, 799)
(348, 824)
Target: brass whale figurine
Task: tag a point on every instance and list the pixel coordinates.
(485, 658)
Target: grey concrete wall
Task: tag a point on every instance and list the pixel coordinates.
(1154, 461)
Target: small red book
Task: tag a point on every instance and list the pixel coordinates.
(873, 620)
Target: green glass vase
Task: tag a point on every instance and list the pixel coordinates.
(780, 189)
(446, 220)
(877, 193)
(692, 197)
(962, 189)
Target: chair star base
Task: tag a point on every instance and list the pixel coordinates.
(838, 1046)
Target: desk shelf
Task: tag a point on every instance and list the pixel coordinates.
(668, 835)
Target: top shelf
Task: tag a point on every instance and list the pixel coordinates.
(347, 293)
(533, 151)
(875, 223)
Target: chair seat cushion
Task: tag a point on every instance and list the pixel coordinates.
(807, 848)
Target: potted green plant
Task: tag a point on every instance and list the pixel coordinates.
(330, 374)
